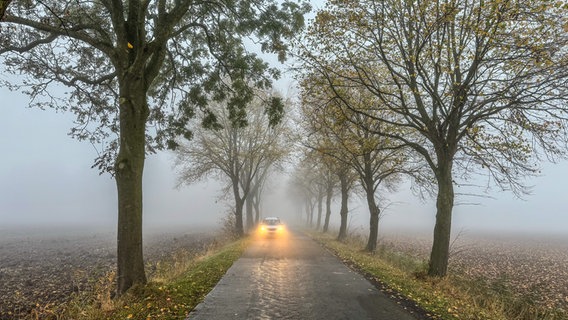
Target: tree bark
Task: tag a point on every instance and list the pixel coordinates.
(256, 204)
(320, 204)
(307, 210)
(239, 204)
(438, 265)
(250, 217)
(239, 228)
(374, 212)
(328, 196)
(343, 212)
(129, 167)
(310, 212)
(3, 6)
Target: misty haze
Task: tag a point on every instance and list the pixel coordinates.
(274, 160)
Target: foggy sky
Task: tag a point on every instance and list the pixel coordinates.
(46, 179)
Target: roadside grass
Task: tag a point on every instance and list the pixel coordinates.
(452, 297)
(174, 289)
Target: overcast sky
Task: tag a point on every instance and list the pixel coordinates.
(46, 179)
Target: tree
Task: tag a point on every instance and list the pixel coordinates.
(480, 85)
(375, 159)
(330, 182)
(234, 152)
(257, 188)
(316, 177)
(133, 63)
(305, 185)
(346, 180)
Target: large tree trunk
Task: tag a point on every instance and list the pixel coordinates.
(239, 228)
(328, 196)
(374, 212)
(239, 204)
(250, 218)
(343, 212)
(129, 167)
(438, 265)
(373, 221)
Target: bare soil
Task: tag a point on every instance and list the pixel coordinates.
(39, 267)
(530, 266)
(42, 267)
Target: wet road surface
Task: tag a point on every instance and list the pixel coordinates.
(292, 277)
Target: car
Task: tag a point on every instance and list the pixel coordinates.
(271, 226)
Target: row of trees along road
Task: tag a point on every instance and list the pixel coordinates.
(348, 141)
(314, 179)
(463, 86)
(129, 64)
(240, 150)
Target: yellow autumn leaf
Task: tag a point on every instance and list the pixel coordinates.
(130, 46)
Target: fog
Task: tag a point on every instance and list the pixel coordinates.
(46, 180)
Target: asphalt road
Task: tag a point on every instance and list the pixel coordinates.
(292, 277)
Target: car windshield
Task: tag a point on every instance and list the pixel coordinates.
(271, 222)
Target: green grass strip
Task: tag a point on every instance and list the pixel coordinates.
(172, 299)
(449, 298)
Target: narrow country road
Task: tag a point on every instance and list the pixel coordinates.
(292, 277)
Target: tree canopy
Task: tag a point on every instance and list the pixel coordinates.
(472, 85)
(137, 72)
(234, 153)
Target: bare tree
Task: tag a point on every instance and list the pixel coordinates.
(234, 152)
(132, 63)
(259, 185)
(351, 140)
(480, 85)
(305, 184)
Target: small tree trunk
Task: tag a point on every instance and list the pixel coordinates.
(344, 210)
(256, 203)
(307, 209)
(438, 265)
(328, 196)
(320, 204)
(129, 167)
(311, 214)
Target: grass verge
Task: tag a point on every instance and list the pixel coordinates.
(453, 297)
(170, 294)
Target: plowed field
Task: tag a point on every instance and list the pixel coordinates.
(39, 267)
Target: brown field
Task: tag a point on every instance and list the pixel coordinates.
(39, 268)
(533, 267)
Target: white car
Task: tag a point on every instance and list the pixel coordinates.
(271, 226)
